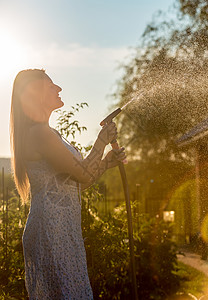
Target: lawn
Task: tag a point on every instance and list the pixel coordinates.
(192, 281)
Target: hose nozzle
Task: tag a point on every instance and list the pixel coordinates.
(107, 120)
(110, 117)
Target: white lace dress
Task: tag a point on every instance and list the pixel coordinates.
(55, 258)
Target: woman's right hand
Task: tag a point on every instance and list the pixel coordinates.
(108, 133)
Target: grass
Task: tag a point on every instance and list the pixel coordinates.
(192, 280)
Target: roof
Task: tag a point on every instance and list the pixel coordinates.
(196, 133)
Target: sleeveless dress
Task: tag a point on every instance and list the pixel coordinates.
(54, 253)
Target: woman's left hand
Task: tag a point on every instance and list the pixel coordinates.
(113, 157)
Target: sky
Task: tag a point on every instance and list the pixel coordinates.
(80, 44)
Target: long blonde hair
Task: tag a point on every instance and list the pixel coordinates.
(19, 126)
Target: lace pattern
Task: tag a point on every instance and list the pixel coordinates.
(55, 258)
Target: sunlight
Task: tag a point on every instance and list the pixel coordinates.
(12, 55)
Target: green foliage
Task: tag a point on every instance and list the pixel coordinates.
(157, 260)
(171, 74)
(107, 248)
(13, 218)
(68, 127)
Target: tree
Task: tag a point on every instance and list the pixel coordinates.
(168, 79)
(171, 72)
(196, 9)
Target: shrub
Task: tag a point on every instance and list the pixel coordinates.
(107, 248)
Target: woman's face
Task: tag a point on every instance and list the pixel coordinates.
(40, 97)
(51, 99)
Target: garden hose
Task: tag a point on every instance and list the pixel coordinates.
(115, 145)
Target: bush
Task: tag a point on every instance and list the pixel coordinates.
(107, 248)
(156, 260)
(12, 221)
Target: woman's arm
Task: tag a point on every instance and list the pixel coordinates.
(111, 160)
(100, 170)
(49, 145)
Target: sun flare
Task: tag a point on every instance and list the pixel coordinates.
(12, 55)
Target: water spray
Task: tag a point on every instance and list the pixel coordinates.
(112, 115)
(115, 145)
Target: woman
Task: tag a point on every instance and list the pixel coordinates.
(54, 173)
